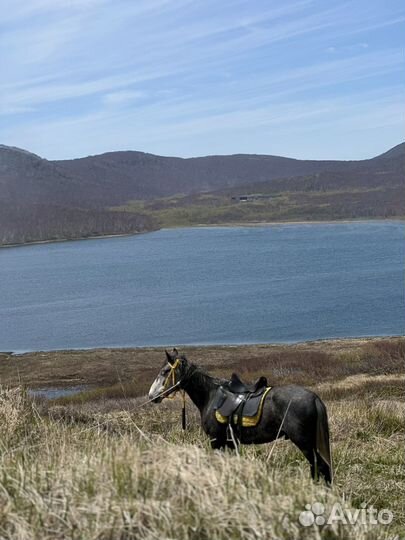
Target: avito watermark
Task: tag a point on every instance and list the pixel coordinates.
(315, 514)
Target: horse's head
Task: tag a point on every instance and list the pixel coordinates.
(169, 377)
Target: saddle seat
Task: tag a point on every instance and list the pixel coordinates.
(239, 387)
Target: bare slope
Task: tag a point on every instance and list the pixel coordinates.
(122, 176)
(38, 202)
(41, 199)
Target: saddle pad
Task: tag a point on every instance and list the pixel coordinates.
(247, 421)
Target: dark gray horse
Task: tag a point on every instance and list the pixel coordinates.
(288, 411)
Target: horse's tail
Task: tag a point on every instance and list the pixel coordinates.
(322, 441)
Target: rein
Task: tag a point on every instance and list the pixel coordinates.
(159, 395)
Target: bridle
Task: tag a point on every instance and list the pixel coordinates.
(172, 375)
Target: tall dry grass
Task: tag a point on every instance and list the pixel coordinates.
(107, 469)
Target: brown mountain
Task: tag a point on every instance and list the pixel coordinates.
(41, 199)
(120, 176)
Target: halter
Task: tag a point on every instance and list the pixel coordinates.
(172, 376)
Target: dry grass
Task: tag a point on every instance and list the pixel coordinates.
(100, 468)
(303, 363)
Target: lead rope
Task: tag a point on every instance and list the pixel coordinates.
(183, 393)
(183, 411)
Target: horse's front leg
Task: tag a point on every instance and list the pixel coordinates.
(218, 443)
(217, 434)
(221, 444)
(221, 440)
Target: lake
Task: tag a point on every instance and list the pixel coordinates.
(219, 285)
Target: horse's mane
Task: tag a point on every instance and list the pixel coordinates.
(201, 374)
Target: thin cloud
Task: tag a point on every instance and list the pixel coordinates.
(122, 98)
(182, 71)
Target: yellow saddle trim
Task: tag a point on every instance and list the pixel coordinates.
(247, 421)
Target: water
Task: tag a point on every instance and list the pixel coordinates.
(56, 391)
(205, 286)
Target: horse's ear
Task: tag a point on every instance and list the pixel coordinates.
(169, 357)
(175, 352)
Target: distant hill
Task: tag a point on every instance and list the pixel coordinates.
(121, 176)
(38, 201)
(41, 199)
(395, 152)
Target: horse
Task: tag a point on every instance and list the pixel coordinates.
(288, 411)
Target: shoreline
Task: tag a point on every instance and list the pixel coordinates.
(333, 341)
(80, 239)
(98, 368)
(278, 223)
(207, 225)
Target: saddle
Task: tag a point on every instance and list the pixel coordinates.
(240, 404)
(239, 387)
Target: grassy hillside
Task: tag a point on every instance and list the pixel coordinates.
(47, 200)
(289, 206)
(362, 193)
(104, 467)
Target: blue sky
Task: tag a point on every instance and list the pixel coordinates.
(301, 78)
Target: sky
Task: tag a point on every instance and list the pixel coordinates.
(309, 79)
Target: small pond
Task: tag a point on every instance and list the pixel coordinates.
(56, 392)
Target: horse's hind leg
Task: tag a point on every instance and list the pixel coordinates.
(311, 457)
(305, 444)
(324, 469)
(319, 467)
